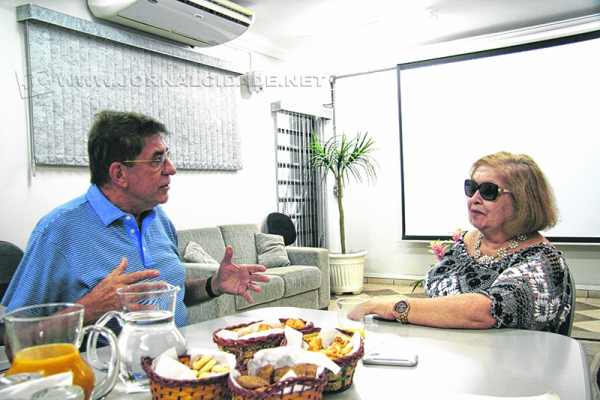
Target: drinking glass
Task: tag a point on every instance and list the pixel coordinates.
(45, 338)
(344, 306)
(148, 329)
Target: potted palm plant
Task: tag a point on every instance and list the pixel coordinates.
(345, 158)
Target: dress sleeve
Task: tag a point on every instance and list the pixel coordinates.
(530, 294)
(442, 278)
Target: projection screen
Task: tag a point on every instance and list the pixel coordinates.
(540, 98)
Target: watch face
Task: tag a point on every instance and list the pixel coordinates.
(401, 307)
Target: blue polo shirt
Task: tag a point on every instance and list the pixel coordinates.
(77, 244)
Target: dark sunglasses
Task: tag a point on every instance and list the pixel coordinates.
(487, 190)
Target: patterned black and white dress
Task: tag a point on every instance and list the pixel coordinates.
(529, 289)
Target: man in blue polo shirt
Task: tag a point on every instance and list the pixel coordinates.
(116, 234)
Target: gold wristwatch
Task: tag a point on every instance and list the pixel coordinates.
(401, 310)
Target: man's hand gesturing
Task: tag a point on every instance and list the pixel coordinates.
(238, 279)
(103, 297)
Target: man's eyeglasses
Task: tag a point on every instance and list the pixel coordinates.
(488, 190)
(156, 163)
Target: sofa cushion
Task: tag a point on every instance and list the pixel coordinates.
(241, 238)
(271, 250)
(297, 278)
(210, 239)
(196, 254)
(271, 290)
(197, 270)
(214, 308)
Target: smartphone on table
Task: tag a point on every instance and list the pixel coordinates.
(390, 358)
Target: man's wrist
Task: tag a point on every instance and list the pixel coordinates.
(212, 288)
(88, 312)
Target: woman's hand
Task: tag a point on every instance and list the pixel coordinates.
(383, 308)
(464, 311)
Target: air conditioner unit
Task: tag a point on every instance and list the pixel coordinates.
(194, 22)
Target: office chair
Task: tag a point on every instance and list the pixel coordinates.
(566, 327)
(595, 376)
(281, 224)
(10, 257)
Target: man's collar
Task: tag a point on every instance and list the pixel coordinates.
(106, 210)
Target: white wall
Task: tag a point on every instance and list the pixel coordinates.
(196, 199)
(374, 212)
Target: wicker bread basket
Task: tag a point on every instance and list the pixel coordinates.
(244, 349)
(287, 389)
(309, 327)
(343, 379)
(214, 388)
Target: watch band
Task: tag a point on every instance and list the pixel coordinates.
(208, 288)
(401, 309)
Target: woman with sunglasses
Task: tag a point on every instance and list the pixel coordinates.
(503, 273)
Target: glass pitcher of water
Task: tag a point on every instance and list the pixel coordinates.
(148, 327)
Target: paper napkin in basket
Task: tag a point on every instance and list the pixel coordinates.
(287, 356)
(220, 356)
(294, 339)
(252, 330)
(167, 364)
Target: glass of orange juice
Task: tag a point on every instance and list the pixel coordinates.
(45, 338)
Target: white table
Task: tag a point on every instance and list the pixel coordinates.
(500, 362)
(492, 362)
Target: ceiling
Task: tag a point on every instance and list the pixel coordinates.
(285, 27)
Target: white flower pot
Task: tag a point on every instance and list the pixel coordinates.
(347, 272)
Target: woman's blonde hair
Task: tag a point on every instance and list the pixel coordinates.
(534, 204)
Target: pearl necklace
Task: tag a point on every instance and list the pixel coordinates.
(500, 253)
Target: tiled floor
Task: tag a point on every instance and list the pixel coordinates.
(382, 289)
(587, 319)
